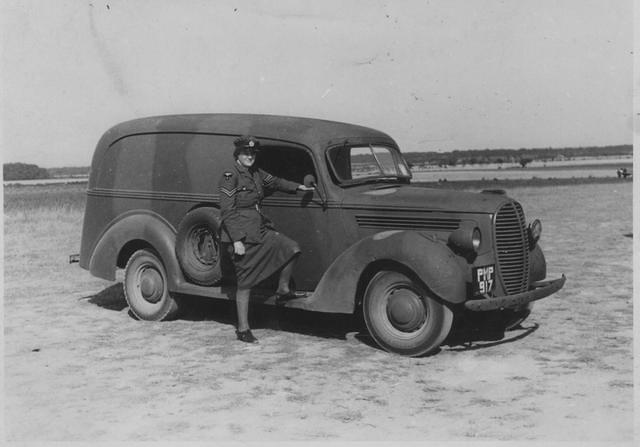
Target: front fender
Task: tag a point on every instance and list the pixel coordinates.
(538, 265)
(138, 225)
(428, 258)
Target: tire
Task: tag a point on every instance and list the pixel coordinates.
(403, 317)
(198, 246)
(146, 288)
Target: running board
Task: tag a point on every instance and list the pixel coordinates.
(228, 292)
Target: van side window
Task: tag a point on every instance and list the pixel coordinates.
(160, 162)
(289, 163)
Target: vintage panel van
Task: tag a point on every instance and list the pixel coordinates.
(407, 257)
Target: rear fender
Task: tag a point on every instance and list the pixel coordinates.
(141, 225)
(428, 258)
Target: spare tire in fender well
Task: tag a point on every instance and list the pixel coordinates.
(198, 246)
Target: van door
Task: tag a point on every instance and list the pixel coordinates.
(299, 216)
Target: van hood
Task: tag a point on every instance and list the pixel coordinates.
(414, 198)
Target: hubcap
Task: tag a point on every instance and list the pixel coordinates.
(405, 310)
(151, 285)
(204, 246)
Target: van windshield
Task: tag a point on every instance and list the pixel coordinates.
(370, 163)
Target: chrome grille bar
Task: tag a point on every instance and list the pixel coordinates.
(512, 250)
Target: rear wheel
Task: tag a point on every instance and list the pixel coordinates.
(403, 317)
(146, 289)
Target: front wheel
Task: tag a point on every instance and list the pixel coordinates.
(403, 317)
(146, 289)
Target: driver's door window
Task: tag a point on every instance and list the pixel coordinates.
(288, 163)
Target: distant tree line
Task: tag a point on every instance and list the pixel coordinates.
(69, 171)
(519, 156)
(23, 171)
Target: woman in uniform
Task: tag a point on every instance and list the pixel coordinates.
(256, 249)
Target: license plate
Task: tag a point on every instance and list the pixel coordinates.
(484, 279)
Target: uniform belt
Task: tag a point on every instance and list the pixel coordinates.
(255, 206)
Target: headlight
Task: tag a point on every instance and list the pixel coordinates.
(476, 238)
(466, 239)
(535, 230)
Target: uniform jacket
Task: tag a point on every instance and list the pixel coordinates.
(241, 192)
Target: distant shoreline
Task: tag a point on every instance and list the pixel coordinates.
(46, 182)
(519, 183)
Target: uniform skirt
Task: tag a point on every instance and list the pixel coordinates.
(263, 258)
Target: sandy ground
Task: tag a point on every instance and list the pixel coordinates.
(79, 368)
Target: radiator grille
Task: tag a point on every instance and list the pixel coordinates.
(512, 247)
(407, 223)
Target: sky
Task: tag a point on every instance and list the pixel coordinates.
(436, 75)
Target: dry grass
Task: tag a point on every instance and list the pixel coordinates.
(63, 198)
(79, 368)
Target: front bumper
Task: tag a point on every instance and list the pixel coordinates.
(540, 290)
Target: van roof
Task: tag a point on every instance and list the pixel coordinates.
(313, 133)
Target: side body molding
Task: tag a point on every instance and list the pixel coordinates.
(429, 259)
(136, 225)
